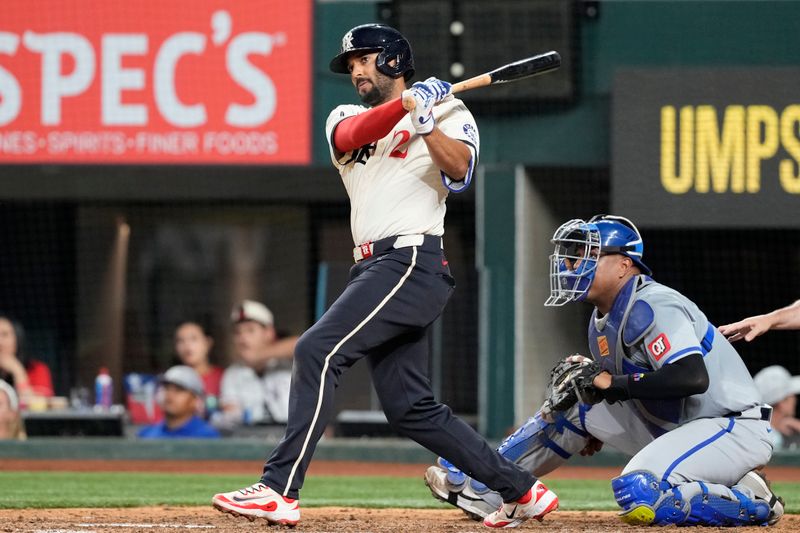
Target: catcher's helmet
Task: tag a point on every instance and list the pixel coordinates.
(381, 38)
(578, 246)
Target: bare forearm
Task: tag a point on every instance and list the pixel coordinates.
(786, 318)
(282, 349)
(449, 155)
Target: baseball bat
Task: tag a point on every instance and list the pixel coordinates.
(518, 70)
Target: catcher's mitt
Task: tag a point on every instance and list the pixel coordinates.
(570, 382)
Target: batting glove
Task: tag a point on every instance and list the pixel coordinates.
(435, 87)
(422, 114)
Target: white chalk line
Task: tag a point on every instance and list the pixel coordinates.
(126, 524)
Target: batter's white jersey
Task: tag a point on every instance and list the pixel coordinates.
(393, 185)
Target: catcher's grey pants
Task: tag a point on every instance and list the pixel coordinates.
(715, 451)
(384, 314)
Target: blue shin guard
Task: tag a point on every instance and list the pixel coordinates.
(716, 510)
(644, 501)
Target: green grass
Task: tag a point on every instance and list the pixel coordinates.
(123, 489)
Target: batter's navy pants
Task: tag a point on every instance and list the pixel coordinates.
(384, 315)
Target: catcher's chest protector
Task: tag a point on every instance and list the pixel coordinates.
(626, 324)
(606, 342)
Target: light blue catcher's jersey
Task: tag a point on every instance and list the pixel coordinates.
(660, 326)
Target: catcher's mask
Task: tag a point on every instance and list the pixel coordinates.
(578, 246)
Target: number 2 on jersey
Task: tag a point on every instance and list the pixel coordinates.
(401, 149)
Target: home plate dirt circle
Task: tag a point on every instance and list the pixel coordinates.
(317, 520)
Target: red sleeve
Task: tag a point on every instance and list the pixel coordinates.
(367, 127)
(39, 378)
(212, 380)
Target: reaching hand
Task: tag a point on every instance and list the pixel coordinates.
(747, 329)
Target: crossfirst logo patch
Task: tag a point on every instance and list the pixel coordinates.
(602, 345)
(659, 347)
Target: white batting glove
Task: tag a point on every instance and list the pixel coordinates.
(422, 114)
(436, 87)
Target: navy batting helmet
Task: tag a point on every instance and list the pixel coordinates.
(369, 38)
(579, 244)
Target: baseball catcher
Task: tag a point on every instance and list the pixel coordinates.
(662, 386)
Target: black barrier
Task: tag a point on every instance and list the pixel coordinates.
(707, 147)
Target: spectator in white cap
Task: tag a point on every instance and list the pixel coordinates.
(181, 400)
(11, 426)
(779, 388)
(255, 389)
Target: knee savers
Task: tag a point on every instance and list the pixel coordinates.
(645, 500)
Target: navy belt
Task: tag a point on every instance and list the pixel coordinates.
(368, 249)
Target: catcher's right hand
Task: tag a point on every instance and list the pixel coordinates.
(571, 380)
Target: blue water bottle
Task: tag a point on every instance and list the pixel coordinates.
(103, 389)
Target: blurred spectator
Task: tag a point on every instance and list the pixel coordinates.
(256, 388)
(182, 399)
(193, 346)
(31, 378)
(748, 329)
(778, 388)
(11, 426)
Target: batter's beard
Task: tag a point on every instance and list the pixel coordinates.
(381, 89)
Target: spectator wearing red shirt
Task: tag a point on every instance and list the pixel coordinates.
(29, 376)
(193, 345)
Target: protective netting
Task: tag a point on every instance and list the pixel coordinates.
(163, 161)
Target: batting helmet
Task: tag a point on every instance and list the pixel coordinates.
(579, 245)
(369, 38)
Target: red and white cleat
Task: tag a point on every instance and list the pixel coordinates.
(536, 503)
(259, 501)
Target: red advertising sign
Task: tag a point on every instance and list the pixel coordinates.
(175, 81)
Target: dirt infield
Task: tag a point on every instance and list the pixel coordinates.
(199, 519)
(170, 519)
(318, 468)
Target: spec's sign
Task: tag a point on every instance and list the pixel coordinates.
(176, 81)
(707, 147)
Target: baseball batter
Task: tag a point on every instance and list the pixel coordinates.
(398, 169)
(677, 396)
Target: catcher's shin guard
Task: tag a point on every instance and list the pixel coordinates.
(710, 509)
(538, 446)
(645, 501)
(756, 481)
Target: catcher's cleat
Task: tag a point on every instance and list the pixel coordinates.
(536, 503)
(259, 501)
(459, 495)
(757, 481)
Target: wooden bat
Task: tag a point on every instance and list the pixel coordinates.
(518, 70)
